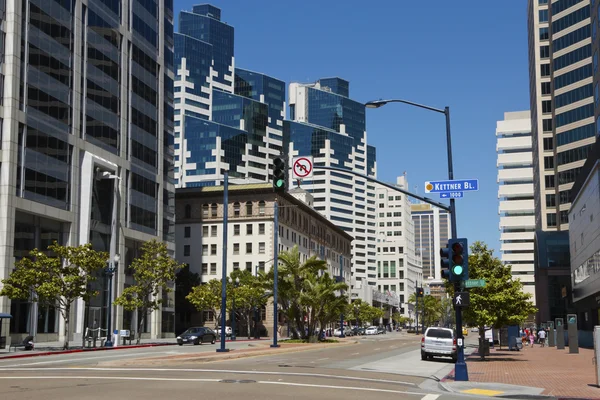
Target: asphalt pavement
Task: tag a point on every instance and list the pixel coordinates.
(374, 366)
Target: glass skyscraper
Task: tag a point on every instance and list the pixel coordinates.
(331, 127)
(226, 119)
(87, 134)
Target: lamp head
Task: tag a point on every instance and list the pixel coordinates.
(375, 103)
(117, 258)
(237, 281)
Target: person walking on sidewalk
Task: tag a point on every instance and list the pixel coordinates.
(542, 337)
(531, 338)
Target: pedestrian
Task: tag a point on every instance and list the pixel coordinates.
(542, 337)
(531, 338)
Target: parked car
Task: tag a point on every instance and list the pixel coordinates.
(372, 330)
(475, 329)
(228, 331)
(381, 330)
(358, 331)
(197, 336)
(438, 342)
(347, 332)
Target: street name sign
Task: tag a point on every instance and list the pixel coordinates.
(451, 195)
(473, 283)
(457, 185)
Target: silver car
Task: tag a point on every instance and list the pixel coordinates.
(438, 342)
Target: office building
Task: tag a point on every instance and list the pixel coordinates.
(399, 271)
(226, 119)
(562, 103)
(584, 242)
(329, 126)
(199, 231)
(87, 130)
(515, 194)
(432, 230)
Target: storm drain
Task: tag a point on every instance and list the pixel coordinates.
(237, 381)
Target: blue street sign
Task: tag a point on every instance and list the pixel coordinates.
(451, 195)
(457, 185)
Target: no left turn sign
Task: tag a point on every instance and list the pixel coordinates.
(302, 167)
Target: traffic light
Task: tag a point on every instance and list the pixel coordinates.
(459, 260)
(419, 292)
(279, 183)
(445, 262)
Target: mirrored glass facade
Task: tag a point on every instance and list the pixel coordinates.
(91, 138)
(221, 110)
(329, 126)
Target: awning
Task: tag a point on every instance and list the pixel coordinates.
(5, 315)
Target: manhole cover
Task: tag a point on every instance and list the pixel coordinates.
(237, 381)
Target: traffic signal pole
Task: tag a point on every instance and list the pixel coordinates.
(460, 369)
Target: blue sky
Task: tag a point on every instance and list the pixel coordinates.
(469, 55)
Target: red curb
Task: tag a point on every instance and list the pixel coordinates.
(136, 346)
(58, 352)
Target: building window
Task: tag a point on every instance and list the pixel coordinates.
(204, 210)
(547, 125)
(546, 87)
(249, 208)
(549, 180)
(236, 248)
(248, 248)
(544, 51)
(545, 70)
(548, 144)
(236, 266)
(236, 230)
(551, 219)
(213, 230)
(213, 268)
(261, 248)
(381, 196)
(213, 249)
(261, 208)
(204, 268)
(186, 250)
(205, 231)
(187, 232)
(550, 200)
(248, 229)
(204, 249)
(392, 269)
(188, 211)
(544, 34)
(213, 210)
(261, 229)
(549, 162)
(543, 14)
(236, 209)
(547, 106)
(249, 266)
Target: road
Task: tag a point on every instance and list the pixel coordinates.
(377, 367)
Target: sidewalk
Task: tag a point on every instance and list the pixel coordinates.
(553, 372)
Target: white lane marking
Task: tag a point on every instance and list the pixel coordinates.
(341, 387)
(392, 347)
(377, 349)
(79, 359)
(209, 370)
(323, 359)
(118, 378)
(123, 378)
(354, 354)
(430, 396)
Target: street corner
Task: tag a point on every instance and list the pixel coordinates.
(492, 389)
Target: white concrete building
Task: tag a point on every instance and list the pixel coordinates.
(515, 193)
(399, 271)
(317, 128)
(432, 230)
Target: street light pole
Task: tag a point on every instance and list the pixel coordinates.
(110, 271)
(222, 349)
(342, 292)
(236, 284)
(461, 372)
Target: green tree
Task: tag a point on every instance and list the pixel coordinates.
(56, 280)
(249, 295)
(429, 308)
(185, 281)
(207, 297)
(153, 273)
(501, 301)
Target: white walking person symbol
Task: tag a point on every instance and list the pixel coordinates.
(459, 299)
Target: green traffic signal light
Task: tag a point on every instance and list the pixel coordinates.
(457, 270)
(279, 183)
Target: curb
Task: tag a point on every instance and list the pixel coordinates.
(442, 386)
(58, 352)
